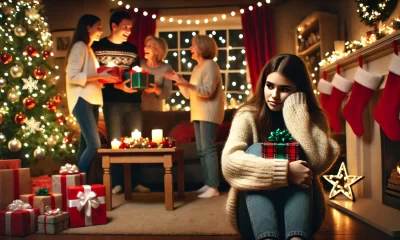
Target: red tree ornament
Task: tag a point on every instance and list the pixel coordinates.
(5, 57)
(29, 102)
(60, 119)
(20, 118)
(57, 98)
(51, 105)
(67, 139)
(30, 50)
(46, 54)
(39, 73)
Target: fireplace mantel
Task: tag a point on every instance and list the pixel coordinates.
(363, 153)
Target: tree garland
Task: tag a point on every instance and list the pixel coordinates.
(373, 11)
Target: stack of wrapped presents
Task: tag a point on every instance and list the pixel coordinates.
(70, 204)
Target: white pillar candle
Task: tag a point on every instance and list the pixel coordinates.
(156, 135)
(136, 135)
(115, 144)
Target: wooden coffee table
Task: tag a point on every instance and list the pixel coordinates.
(166, 156)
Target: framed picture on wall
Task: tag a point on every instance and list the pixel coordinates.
(62, 40)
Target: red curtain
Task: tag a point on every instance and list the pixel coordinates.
(259, 39)
(142, 27)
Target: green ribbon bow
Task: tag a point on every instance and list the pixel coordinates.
(280, 136)
(42, 192)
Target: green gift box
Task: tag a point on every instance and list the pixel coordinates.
(139, 80)
(54, 223)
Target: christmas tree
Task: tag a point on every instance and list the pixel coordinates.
(32, 126)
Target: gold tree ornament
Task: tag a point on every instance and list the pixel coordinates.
(342, 182)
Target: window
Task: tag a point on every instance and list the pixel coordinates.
(231, 59)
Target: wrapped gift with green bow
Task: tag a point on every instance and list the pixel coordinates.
(281, 145)
(42, 198)
(139, 78)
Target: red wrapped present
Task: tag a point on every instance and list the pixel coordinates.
(19, 219)
(281, 145)
(41, 182)
(13, 182)
(113, 71)
(87, 205)
(43, 198)
(139, 78)
(69, 176)
(10, 164)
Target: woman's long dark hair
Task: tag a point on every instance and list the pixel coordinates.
(293, 68)
(81, 31)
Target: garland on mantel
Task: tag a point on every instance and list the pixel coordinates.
(352, 46)
(373, 11)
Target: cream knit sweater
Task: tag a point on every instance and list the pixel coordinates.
(246, 172)
(207, 100)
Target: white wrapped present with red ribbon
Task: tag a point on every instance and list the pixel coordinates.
(53, 221)
(86, 205)
(19, 220)
(68, 176)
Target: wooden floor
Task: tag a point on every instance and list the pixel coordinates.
(337, 226)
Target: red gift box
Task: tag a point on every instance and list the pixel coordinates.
(273, 150)
(41, 182)
(19, 223)
(114, 71)
(87, 205)
(10, 164)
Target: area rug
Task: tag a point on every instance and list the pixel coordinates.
(146, 215)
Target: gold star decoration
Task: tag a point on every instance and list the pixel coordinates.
(342, 182)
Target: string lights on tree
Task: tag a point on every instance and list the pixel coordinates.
(26, 86)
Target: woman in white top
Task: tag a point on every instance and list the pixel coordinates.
(206, 107)
(155, 50)
(83, 88)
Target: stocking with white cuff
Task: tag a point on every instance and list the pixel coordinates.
(325, 89)
(364, 86)
(387, 111)
(341, 86)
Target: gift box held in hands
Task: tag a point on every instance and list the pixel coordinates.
(10, 164)
(281, 145)
(13, 182)
(19, 219)
(113, 71)
(43, 198)
(69, 176)
(53, 221)
(139, 78)
(87, 205)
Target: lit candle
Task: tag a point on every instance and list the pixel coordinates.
(136, 135)
(156, 135)
(115, 144)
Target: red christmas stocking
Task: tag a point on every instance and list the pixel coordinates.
(365, 84)
(387, 111)
(325, 89)
(341, 86)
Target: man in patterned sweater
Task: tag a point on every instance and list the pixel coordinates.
(122, 111)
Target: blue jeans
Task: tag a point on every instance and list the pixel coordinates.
(87, 116)
(275, 213)
(206, 135)
(121, 120)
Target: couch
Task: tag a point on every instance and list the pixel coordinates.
(175, 124)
